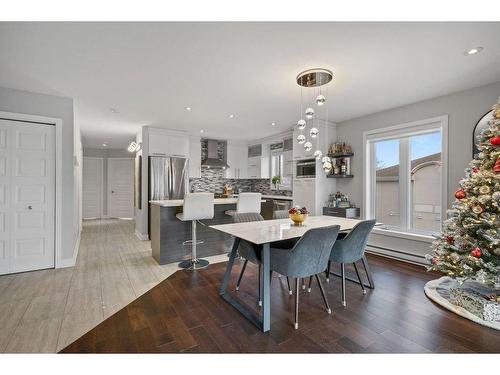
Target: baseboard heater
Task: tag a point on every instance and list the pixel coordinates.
(394, 254)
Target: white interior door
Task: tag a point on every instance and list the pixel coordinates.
(92, 188)
(121, 187)
(27, 196)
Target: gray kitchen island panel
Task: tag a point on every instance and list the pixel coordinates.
(168, 233)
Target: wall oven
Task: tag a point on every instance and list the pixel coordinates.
(306, 168)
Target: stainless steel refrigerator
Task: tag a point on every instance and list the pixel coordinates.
(168, 177)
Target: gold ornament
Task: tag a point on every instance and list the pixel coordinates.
(485, 189)
(477, 209)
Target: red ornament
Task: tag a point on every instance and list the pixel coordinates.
(496, 167)
(476, 252)
(435, 261)
(495, 141)
(475, 170)
(460, 194)
(450, 240)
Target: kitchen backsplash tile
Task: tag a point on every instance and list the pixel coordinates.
(213, 180)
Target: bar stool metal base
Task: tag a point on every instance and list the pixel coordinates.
(194, 264)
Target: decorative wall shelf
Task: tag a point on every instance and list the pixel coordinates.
(340, 176)
(341, 155)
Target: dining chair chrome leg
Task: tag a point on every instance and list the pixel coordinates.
(303, 284)
(296, 325)
(359, 278)
(310, 282)
(288, 283)
(241, 274)
(368, 273)
(327, 272)
(260, 285)
(328, 309)
(342, 272)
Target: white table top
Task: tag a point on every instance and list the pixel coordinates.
(260, 232)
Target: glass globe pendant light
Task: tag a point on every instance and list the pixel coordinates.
(313, 132)
(301, 138)
(320, 100)
(308, 146)
(301, 124)
(309, 113)
(318, 154)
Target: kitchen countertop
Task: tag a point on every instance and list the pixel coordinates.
(283, 197)
(180, 202)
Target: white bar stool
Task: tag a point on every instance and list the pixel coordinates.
(247, 203)
(197, 206)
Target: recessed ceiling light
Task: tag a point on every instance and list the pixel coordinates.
(231, 116)
(113, 110)
(473, 51)
(104, 144)
(188, 108)
(273, 123)
(201, 131)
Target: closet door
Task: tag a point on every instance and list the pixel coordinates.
(27, 179)
(92, 188)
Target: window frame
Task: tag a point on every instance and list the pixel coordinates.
(406, 130)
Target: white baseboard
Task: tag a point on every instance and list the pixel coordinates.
(142, 237)
(65, 263)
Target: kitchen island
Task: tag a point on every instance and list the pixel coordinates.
(168, 233)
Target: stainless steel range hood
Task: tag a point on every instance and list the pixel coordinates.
(212, 160)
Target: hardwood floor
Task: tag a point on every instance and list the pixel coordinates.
(184, 313)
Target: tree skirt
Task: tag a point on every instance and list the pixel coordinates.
(439, 291)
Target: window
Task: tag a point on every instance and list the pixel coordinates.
(279, 165)
(405, 179)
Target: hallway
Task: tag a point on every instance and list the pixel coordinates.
(43, 311)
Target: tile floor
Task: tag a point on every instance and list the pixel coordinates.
(43, 311)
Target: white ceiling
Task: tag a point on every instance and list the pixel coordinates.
(150, 72)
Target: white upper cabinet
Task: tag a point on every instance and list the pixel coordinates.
(237, 158)
(258, 161)
(168, 143)
(194, 157)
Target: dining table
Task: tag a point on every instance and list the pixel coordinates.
(265, 233)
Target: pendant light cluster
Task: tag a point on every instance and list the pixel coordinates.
(312, 80)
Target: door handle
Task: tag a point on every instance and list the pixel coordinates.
(30, 207)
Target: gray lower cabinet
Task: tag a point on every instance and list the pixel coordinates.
(348, 213)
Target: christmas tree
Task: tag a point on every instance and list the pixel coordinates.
(469, 245)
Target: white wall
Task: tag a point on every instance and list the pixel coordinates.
(24, 102)
(464, 110)
(105, 154)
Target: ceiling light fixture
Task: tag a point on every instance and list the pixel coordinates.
(273, 124)
(201, 131)
(231, 116)
(473, 51)
(188, 108)
(104, 144)
(113, 110)
(134, 146)
(312, 80)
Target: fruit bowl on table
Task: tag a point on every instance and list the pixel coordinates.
(298, 215)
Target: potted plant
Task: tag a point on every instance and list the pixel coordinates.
(276, 181)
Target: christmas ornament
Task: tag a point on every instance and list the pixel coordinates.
(474, 170)
(450, 240)
(496, 168)
(460, 194)
(454, 257)
(477, 209)
(476, 253)
(485, 189)
(495, 141)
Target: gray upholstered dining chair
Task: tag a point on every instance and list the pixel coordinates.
(251, 252)
(309, 257)
(351, 249)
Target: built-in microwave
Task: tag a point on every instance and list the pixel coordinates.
(306, 168)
